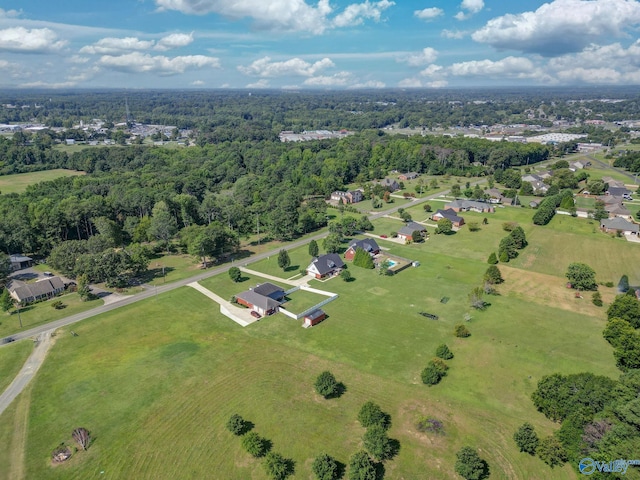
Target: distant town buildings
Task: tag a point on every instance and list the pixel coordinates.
(289, 136)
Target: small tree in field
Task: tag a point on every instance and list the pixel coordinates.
(493, 275)
(378, 443)
(371, 414)
(461, 331)
(361, 467)
(325, 467)
(551, 451)
(236, 424)
(283, 259)
(313, 248)
(504, 256)
(526, 439)
(254, 444)
(82, 437)
(326, 384)
(363, 259)
(416, 236)
(470, 466)
(444, 226)
(277, 467)
(443, 352)
(345, 275)
(596, 299)
(582, 276)
(476, 298)
(434, 372)
(427, 207)
(6, 302)
(235, 274)
(493, 259)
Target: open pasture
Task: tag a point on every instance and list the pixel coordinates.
(19, 182)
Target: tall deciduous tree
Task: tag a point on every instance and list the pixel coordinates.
(283, 259)
(469, 465)
(325, 467)
(361, 467)
(526, 439)
(313, 248)
(582, 276)
(163, 224)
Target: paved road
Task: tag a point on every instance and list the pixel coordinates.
(28, 370)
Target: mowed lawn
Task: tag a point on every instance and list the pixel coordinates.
(156, 385)
(12, 357)
(156, 381)
(19, 182)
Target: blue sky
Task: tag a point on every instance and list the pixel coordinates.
(318, 44)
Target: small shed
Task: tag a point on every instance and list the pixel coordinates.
(18, 262)
(314, 318)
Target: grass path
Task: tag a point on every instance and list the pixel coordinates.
(18, 446)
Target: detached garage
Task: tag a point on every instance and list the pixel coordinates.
(314, 318)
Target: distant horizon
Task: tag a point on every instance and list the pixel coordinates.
(319, 44)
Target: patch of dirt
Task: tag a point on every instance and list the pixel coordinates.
(378, 291)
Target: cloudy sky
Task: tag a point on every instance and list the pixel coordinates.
(326, 44)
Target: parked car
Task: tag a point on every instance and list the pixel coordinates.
(383, 236)
(7, 340)
(48, 274)
(255, 314)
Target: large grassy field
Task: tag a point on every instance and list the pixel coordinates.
(12, 357)
(156, 381)
(19, 182)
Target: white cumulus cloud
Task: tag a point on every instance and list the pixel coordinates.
(356, 13)
(561, 26)
(428, 13)
(112, 45)
(469, 8)
(282, 15)
(368, 84)
(432, 70)
(262, 83)
(37, 40)
(174, 40)
(513, 67)
(454, 34)
(426, 56)
(264, 67)
(137, 62)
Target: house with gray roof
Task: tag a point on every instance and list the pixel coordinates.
(325, 265)
(617, 224)
(265, 298)
(18, 262)
(389, 184)
(459, 205)
(450, 214)
(25, 293)
(406, 232)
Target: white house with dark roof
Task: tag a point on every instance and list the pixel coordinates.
(325, 265)
(44, 289)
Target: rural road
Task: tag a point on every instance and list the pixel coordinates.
(28, 370)
(43, 333)
(128, 300)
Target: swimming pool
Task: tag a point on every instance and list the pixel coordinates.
(391, 263)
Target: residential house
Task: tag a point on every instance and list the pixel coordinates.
(406, 232)
(18, 262)
(617, 210)
(459, 205)
(351, 196)
(612, 182)
(314, 318)
(579, 165)
(389, 184)
(265, 298)
(450, 214)
(408, 176)
(325, 266)
(534, 203)
(537, 182)
(369, 245)
(44, 289)
(619, 225)
(270, 290)
(495, 195)
(619, 192)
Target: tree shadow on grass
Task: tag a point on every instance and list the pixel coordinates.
(247, 426)
(242, 279)
(292, 268)
(394, 449)
(341, 470)
(380, 470)
(486, 471)
(341, 389)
